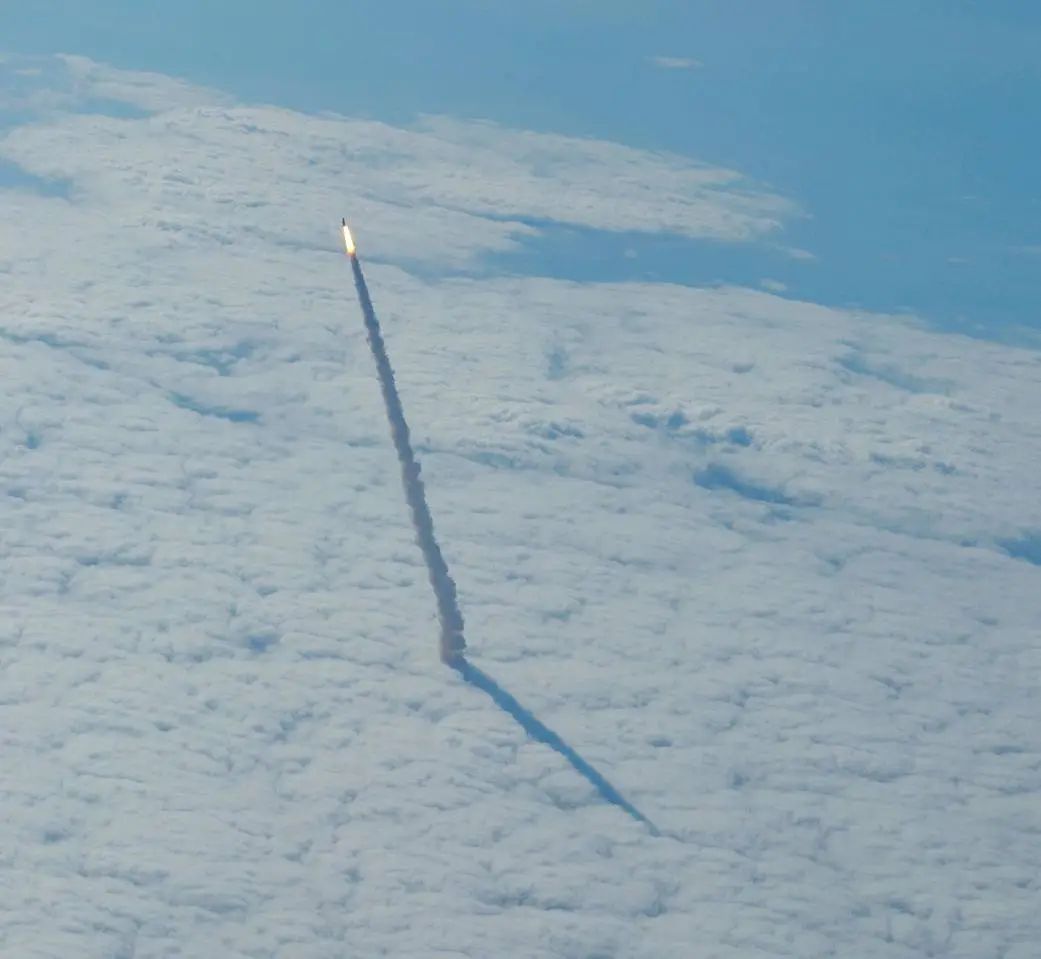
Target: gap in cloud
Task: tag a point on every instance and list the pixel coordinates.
(13, 117)
(117, 109)
(35, 87)
(1026, 547)
(14, 177)
(583, 254)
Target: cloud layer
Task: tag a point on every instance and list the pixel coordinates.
(766, 565)
(442, 191)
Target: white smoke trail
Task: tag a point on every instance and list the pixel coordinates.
(451, 619)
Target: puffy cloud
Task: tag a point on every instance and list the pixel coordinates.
(441, 191)
(676, 63)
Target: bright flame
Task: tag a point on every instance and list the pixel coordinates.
(348, 240)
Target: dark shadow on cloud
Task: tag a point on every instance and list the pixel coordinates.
(901, 379)
(716, 476)
(541, 733)
(219, 412)
(222, 360)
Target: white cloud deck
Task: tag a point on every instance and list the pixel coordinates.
(749, 556)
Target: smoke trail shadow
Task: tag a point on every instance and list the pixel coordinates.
(451, 618)
(540, 732)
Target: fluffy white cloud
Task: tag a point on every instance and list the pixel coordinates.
(440, 192)
(676, 63)
(770, 567)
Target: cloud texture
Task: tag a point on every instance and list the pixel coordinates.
(766, 565)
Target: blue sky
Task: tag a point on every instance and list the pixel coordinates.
(908, 133)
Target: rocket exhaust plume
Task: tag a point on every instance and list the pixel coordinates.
(448, 614)
(453, 644)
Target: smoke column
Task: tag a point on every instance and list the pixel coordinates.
(452, 642)
(451, 619)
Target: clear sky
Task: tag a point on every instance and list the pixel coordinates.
(907, 132)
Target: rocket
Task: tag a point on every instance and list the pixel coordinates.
(448, 613)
